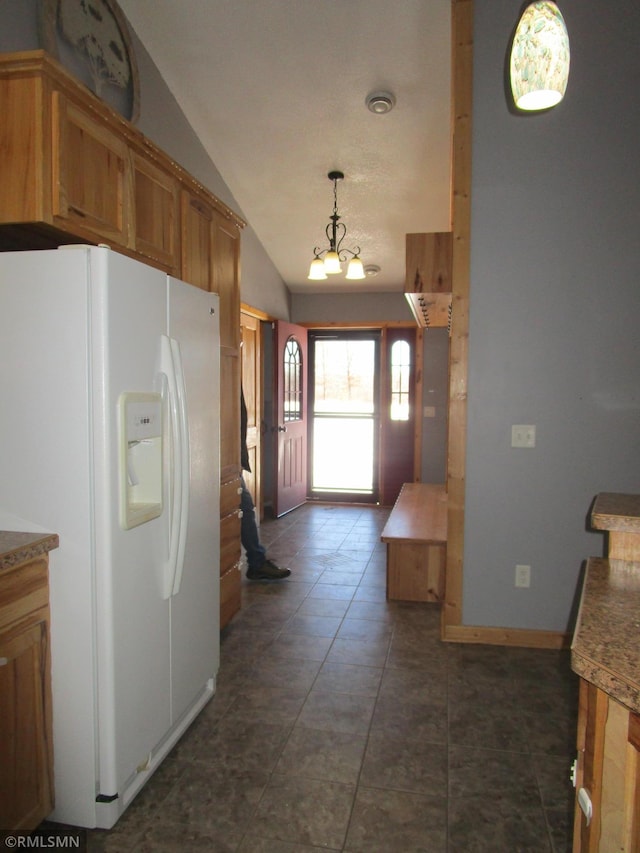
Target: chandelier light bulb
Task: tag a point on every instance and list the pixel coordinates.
(332, 263)
(316, 270)
(355, 270)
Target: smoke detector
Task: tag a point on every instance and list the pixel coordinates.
(371, 269)
(380, 102)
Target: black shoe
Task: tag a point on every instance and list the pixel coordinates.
(268, 571)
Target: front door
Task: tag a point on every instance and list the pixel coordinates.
(291, 393)
(345, 366)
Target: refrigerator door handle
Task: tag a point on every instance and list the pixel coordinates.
(184, 466)
(171, 366)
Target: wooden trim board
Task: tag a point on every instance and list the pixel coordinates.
(521, 637)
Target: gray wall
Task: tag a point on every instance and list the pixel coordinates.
(18, 25)
(350, 308)
(554, 314)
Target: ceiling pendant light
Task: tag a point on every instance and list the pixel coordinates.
(329, 261)
(539, 66)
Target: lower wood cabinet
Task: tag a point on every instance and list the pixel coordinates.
(26, 740)
(608, 774)
(230, 550)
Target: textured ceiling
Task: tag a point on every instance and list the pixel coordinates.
(276, 90)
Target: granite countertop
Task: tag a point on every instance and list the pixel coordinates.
(605, 649)
(17, 547)
(619, 512)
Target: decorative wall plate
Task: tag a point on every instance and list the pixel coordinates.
(91, 39)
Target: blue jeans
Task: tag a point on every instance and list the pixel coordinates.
(256, 553)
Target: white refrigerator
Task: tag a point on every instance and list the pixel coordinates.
(109, 436)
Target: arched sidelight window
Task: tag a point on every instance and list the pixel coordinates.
(292, 385)
(400, 369)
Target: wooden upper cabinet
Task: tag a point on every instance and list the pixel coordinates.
(197, 241)
(23, 165)
(428, 262)
(104, 187)
(90, 170)
(156, 200)
(211, 260)
(74, 170)
(226, 279)
(428, 281)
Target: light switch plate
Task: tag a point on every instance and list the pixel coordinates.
(523, 435)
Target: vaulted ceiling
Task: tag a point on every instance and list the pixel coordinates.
(276, 91)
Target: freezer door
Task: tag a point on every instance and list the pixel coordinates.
(45, 482)
(195, 604)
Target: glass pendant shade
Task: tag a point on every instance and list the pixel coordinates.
(539, 66)
(316, 270)
(355, 270)
(332, 263)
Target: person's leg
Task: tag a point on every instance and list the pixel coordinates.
(256, 552)
(258, 566)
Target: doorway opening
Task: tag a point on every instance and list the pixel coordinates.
(344, 407)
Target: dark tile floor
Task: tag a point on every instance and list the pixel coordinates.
(342, 723)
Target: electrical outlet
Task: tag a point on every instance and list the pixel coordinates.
(523, 576)
(523, 435)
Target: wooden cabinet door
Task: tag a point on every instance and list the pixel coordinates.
(25, 786)
(23, 160)
(226, 279)
(91, 186)
(428, 262)
(226, 283)
(26, 766)
(230, 417)
(156, 211)
(197, 242)
(230, 551)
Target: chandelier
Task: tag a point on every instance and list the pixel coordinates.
(329, 261)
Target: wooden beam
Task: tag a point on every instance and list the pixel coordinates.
(462, 73)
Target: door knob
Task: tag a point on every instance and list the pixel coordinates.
(282, 429)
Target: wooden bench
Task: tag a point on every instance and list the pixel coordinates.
(416, 537)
